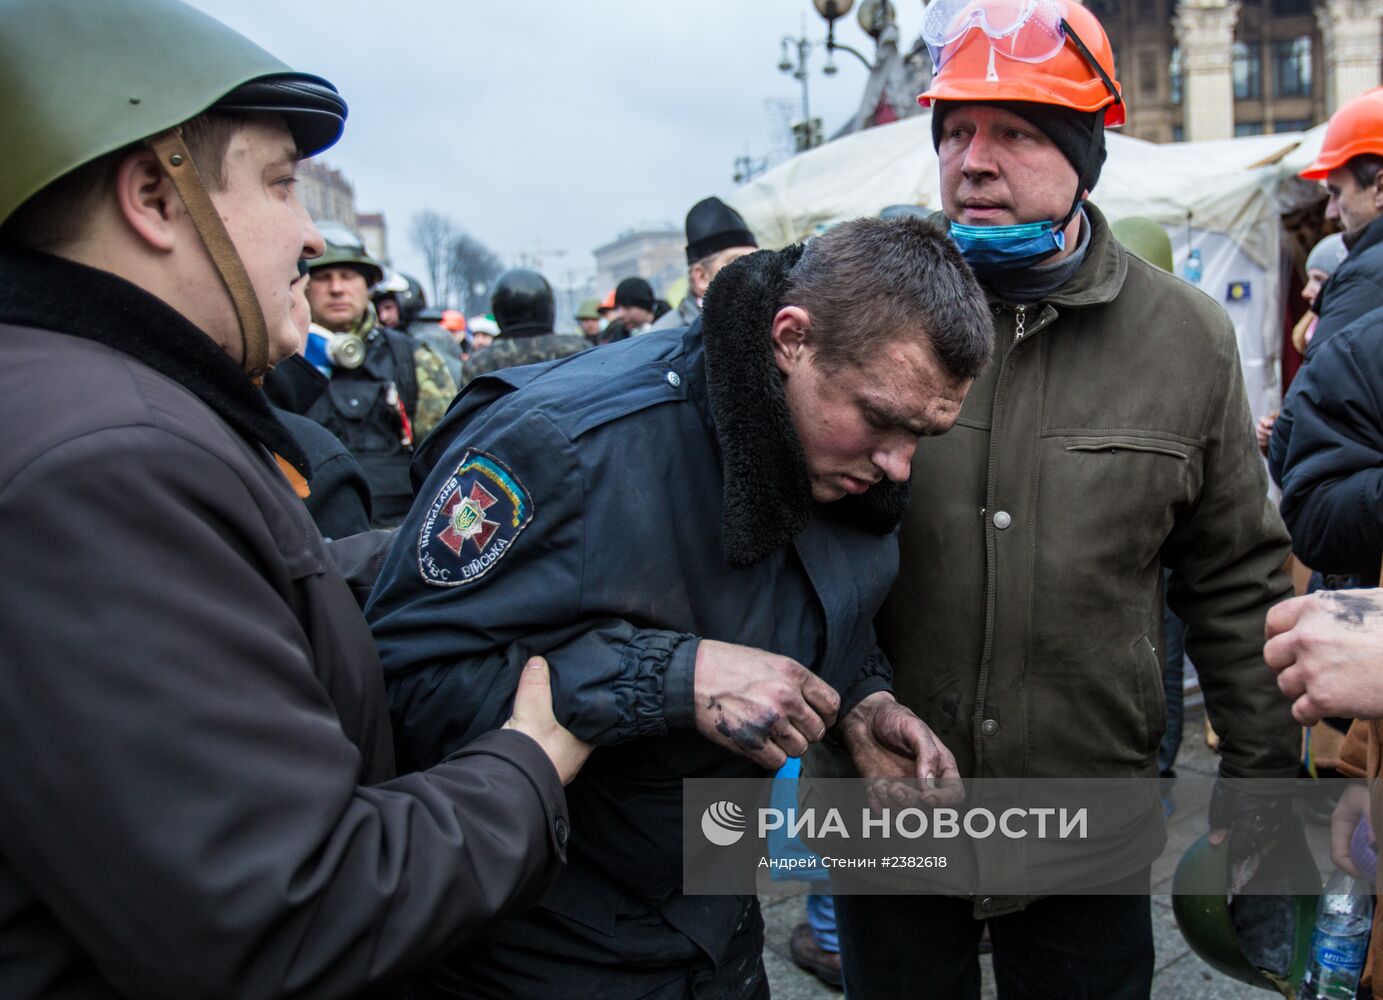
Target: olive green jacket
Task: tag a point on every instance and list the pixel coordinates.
(1110, 436)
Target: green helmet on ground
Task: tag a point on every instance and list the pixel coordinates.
(1263, 938)
(346, 249)
(81, 79)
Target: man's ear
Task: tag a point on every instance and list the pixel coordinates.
(697, 277)
(147, 200)
(1378, 191)
(789, 331)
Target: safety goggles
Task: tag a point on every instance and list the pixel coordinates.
(1027, 30)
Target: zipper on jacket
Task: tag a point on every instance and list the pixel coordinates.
(1020, 320)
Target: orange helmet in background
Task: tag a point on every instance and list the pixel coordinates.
(1042, 51)
(1355, 128)
(453, 321)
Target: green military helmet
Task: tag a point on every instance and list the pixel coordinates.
(1145, 238)
(1276, 927)
(346, 249)
(588, 309)
(82, 78)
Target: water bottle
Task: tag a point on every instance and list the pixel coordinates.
(1340, 940)
(1193, 266)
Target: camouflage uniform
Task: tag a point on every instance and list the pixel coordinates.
(436, 388)
(509, 351)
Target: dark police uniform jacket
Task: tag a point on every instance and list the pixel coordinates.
(196, 796)
(609, 510)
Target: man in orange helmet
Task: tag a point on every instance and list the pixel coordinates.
(1110, 437)
(1350, 164)
(1327, 442)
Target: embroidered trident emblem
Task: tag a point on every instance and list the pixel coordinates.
(466, 520)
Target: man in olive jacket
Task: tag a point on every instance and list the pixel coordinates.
(1109, 438)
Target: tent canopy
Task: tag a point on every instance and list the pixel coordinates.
(1237, 187)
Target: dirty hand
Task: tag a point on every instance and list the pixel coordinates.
(899, 754)
(759, 704)
(1327, 649)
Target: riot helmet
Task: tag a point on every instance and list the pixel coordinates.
(523, 298)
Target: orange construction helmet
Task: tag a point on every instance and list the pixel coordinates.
(608, 302)
(1355, 128)
(1042, 51)
(452, 320)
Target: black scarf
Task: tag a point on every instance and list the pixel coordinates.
(52, 293)
(768, 495)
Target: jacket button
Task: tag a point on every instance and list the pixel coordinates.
(673, 379)
(987, 903)
(1001, 519)
(560, 827)
(989, 727)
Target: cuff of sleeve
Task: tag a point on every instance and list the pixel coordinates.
(679, 702)
(659, 667)
(524, 753)
(859, 691)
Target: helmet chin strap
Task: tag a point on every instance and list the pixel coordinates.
(177, 162)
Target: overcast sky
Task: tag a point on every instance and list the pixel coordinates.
(544, 126)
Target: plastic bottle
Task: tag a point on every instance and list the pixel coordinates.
(1193, 266)
(1340, 940)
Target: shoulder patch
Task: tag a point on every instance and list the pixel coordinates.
(472, 522)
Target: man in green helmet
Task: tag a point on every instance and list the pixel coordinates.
(391, 392)
(198, 791)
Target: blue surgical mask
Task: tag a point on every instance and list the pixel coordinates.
(1005, 247)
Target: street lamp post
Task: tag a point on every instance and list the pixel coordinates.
(874, 17)
(831, 11)
(803, 48)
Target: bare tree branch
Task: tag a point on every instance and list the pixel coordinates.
(471, 269)
(432, 234)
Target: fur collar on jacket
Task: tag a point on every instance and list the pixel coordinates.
(768, 497)
(52, 293)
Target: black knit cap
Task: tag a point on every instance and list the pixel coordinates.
(713, 226)
(634, 292)
(1078, 134)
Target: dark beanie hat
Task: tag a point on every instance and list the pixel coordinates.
(1071, 131)
(713, 226)
(634, 292)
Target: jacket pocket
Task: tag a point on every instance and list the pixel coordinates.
(1110, 500)
(1151, 692)
(1128, 442)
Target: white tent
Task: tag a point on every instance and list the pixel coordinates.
(1224, 198)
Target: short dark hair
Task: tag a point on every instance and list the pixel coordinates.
(54, 217)
(1365, 167)
(870, 281)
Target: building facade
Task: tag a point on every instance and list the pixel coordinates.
(329, 197)
(374, 233)
(1214, 69)
(658, 255)
(326, 194)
